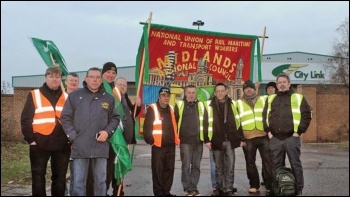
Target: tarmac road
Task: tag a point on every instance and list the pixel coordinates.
(326, 173)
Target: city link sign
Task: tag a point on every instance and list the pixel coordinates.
(305, 74)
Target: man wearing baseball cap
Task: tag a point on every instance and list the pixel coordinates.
(160, 131)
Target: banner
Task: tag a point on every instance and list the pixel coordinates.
(179, 56)
(47, 47)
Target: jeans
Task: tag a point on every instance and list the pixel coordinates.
(81, 167)
(252, 145)
(291, 146)
(191, 156)
(224, 161)
(59, 159)
(212, 169)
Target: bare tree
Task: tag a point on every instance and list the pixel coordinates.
(5, 87)
(339, 65)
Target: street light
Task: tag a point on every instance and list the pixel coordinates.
(198, 23)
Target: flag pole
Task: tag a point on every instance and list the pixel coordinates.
(54, 64)
(142, 66)
(121, 181)
(257, 83)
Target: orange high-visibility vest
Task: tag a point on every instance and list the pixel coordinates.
(44, 120)
(158, 127)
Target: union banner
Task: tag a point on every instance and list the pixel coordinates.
(177, 57)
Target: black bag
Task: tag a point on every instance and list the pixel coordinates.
(284, 183)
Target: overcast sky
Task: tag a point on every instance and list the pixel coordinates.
(91, 33)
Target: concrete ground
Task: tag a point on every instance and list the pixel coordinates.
(326, 173)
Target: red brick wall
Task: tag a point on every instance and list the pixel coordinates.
(7, 119)
(333, 117)
(310, 95)
(330, 112)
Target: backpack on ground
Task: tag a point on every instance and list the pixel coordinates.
(284, 183)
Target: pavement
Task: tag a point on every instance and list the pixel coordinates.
(326, 173)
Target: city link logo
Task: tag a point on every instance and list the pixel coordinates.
(290, 68)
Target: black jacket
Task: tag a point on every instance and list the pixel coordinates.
(129, 131)
(168, 136)
(224, 131)
(57, 139)
(189, 132)
(281, 117)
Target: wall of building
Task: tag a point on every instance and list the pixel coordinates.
(7, 119)
(330, 113)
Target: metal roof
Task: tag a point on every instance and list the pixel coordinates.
(33, 81)
(129, 71)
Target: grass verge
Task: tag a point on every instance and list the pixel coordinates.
(15, 166)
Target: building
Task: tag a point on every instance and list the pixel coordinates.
(308, 73)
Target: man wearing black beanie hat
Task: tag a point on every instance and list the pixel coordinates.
(250, 108)
(109, 72)
(271, 88)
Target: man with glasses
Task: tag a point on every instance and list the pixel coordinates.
(89, 118)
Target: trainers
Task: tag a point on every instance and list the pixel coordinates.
(253, 190)
(234, 189)
(196, 193)
(189, 192)
(216, 192)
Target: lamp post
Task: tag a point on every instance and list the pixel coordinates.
(198, 23)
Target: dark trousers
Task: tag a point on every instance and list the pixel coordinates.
(252, 145)
(163, 166)
(291, 146)
(59, 164)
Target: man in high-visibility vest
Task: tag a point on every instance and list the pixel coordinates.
(192, 120)
(286, 116)
(225, 135)
(160, 131)
(250, 108)
(42, 129)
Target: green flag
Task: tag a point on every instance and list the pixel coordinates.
(47, 47)
(205, 93)
(122, 163)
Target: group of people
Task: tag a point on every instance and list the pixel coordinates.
(72, 128)
(271, 123)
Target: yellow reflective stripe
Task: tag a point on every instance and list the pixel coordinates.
(257, 118)
(210, 119)
(65, 95)
(240, 106)
(296, 111)
(258, 109)
(247, 122)
(296, 121)
(237, 116)
(245, 113)
(44, 120)
(210, 128)
(201, 118)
